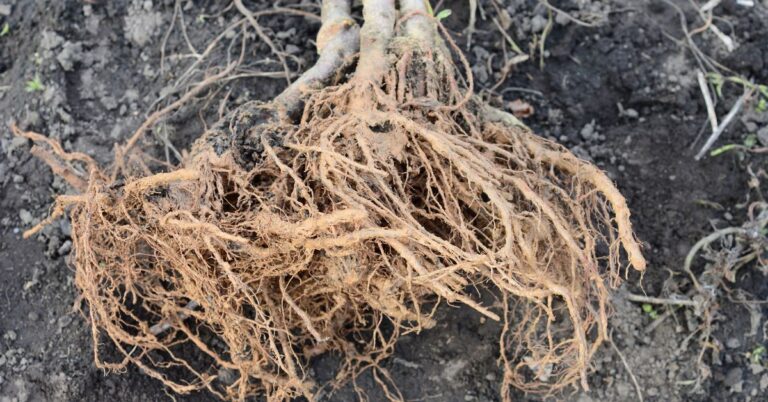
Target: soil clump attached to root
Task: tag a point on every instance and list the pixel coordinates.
(336, 218)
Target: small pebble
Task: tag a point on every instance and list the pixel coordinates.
(66, 227)
(226, 376)
(292, 49)
(538, 23)
(631, 113)
(65, 248)
(286, 34)
(588, 132)
(25, 216)
(733, 377)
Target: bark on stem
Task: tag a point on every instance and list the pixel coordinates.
(378, 29)
(333, 16)
(337, 42)
(417, 25)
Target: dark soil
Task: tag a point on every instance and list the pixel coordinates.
(99, 63)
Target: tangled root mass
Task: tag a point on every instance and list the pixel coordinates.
(276, 241)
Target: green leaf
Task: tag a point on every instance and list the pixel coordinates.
(719, 88)
(750, 141)
(762, 105)
(740, 80)
(757, 354)
(647, 308)
(35, 84)
(429, 8)
(6, 30)
(443, 14)
(718, 81)
(723, 149)
(763, 90)
(714, 78)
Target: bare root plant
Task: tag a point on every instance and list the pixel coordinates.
(337, 217)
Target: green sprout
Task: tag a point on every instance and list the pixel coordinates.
(648, 309)
(5, 30)
(756, 356)
(723, 149)
(443, 14)
(35, 84)
(762, 104)
(763, 90)
(749, 142)
(719, 81)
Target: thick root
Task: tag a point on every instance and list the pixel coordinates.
(274, 241)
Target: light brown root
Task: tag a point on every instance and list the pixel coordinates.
(337, 43)
(275, 241)
(61, 162)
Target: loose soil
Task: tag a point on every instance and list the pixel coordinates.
(100, 66)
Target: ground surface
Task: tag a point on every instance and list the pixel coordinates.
(99, 66)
